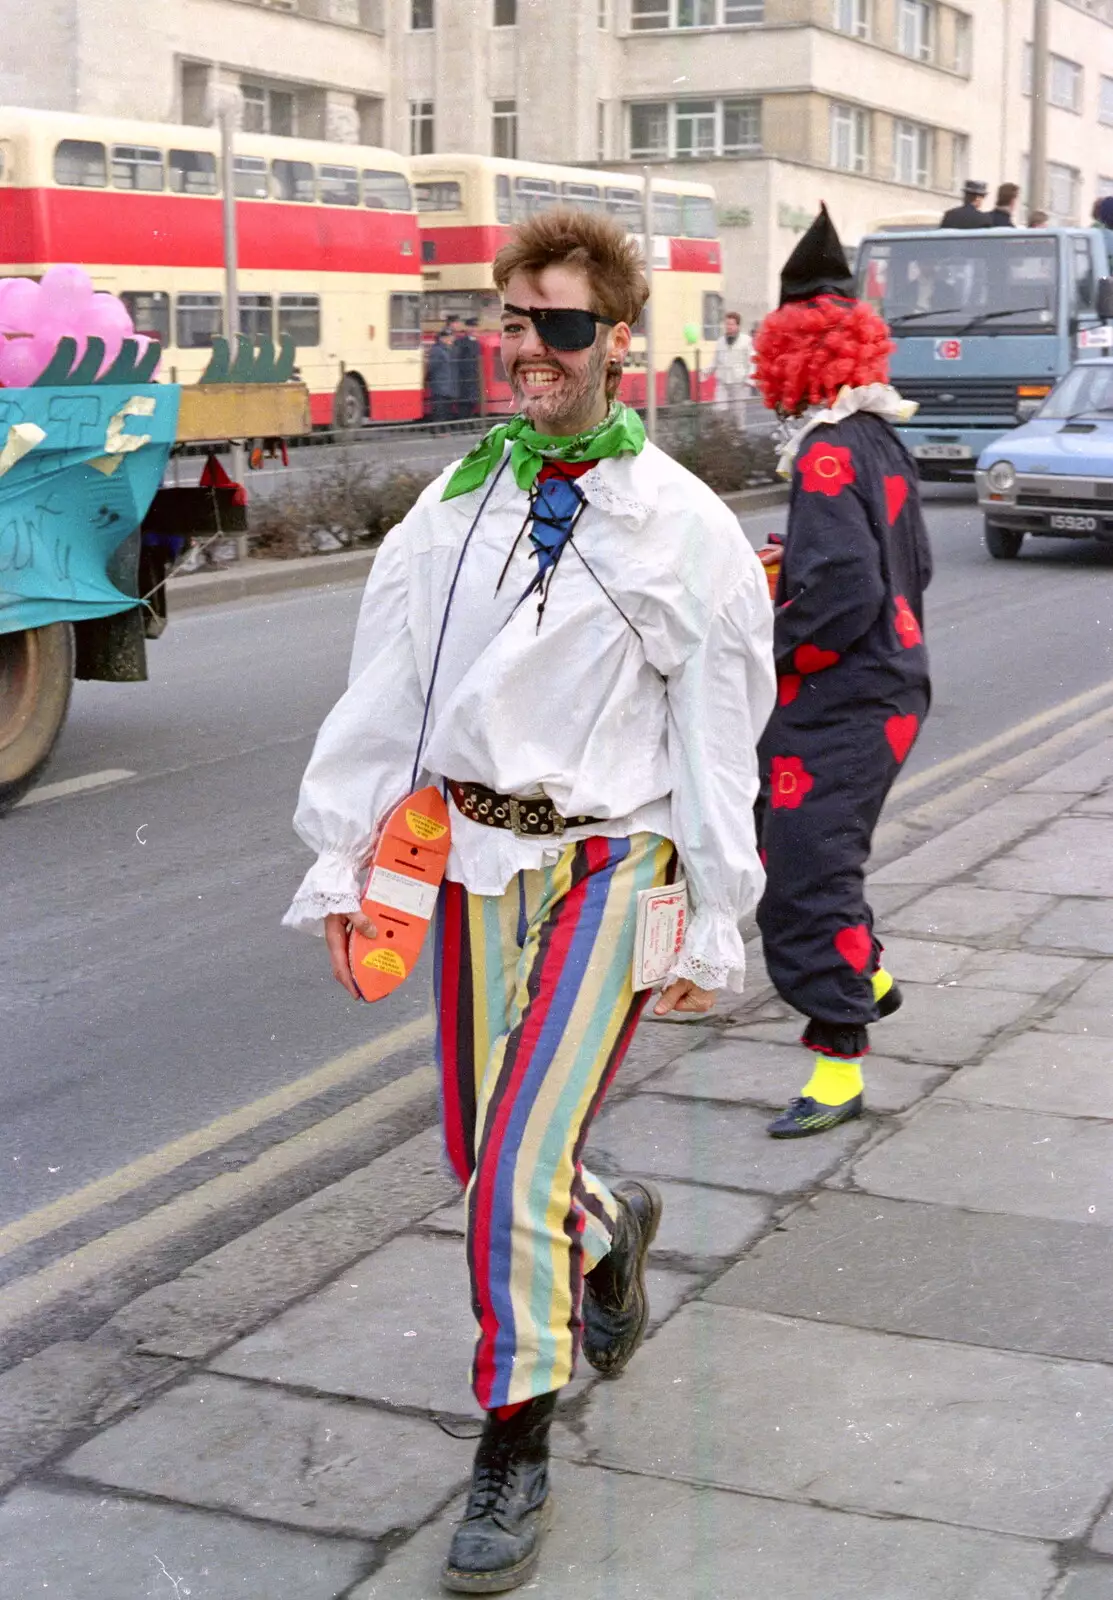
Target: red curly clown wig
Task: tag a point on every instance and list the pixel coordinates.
(807, 350)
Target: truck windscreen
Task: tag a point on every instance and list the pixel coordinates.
(996, 284)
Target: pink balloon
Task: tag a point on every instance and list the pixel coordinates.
(107, 314)
(112, 343)
(19, 312)
(67, 293)
(20, 363)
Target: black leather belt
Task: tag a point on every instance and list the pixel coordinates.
(532, 819)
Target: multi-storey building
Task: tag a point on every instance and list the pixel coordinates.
(879, 107)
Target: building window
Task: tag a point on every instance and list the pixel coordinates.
(504, 137)
(1105, 188)
(850, 138)
(960, 162)
(852, 16)
(506, 13)
(603, 17)
(421, 15)
(963, 59)
(691, 130)
(912, 154)
(915, 34)
(1105, 101)
(1063, 184)
(601, 131)
(1065, 85)
(662, 14)
(268, 110)
(421, 127)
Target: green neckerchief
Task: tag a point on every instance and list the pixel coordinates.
(620, 433)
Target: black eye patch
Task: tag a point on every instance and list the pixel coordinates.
(560, 328)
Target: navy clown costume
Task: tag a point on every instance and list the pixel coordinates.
(853, 691)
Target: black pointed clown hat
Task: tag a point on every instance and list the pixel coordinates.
(817, 265)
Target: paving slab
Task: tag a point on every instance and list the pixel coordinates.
(1092, 1581)
(698, 1223)
(951, 1433)
(1089, 1009)
(397, 1328)
(1065, 1073)
(81, 1546)
(705, 1141)
(617, 1535)
(1015, 1162)
(755, 1071)
(1102, 1536)
(1098, 805)
(960, 912)
(1074, 855)
(264, 1453)
(1081, 775)
(959, 849)
(1017, 1283)
(934, 962)
(1075, 923)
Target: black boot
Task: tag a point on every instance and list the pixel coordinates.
(616, 1305)
(497, 1543)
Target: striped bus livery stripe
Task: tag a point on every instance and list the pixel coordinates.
(184, 231)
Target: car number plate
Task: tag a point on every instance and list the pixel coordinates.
(1065, 522)
(942, 452)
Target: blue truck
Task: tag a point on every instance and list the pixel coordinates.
(985, 322)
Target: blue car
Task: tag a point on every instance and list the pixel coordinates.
(1053, 476)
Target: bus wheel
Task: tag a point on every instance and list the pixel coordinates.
(349, 408)
(36, 676)
(1003, 544)
(678, 389)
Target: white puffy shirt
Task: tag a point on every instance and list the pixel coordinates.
(653, 730)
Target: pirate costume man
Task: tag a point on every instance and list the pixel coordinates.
(852, 669)
(589, 635)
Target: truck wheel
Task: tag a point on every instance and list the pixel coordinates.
(1003, 544)
(36, 676)
(349, 408)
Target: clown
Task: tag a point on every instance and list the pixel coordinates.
(853, 685)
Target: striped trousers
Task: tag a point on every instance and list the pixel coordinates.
(535, 1013)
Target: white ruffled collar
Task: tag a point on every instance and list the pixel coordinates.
(880, 398)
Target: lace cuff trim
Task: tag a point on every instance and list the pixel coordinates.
(713, 955)
(330, 885)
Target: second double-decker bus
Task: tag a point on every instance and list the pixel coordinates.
(466, 207)
(328, 246)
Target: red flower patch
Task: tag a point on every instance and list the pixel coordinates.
(791, 782)
(827, 469)
(907, 626)
(788, 688)
(901, 733)
(810, 658)
(855, 945)
(896, 493)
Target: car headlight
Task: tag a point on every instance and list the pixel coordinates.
(1001, 477)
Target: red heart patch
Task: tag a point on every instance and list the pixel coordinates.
(810, 658)
(788, 688)
(855, 945)
(901, 733)
(896, 493)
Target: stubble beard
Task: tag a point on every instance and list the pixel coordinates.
(576, 401)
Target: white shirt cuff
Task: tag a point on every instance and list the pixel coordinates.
(712, 955)
(332, 884)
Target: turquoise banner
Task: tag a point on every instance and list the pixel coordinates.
(78, 470)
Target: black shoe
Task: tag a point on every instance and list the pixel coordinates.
(616, 1305)
(804, 1116)
(496, 1544)
(891, 1001)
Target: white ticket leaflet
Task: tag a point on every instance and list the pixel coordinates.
(399, 893)
(662, 917)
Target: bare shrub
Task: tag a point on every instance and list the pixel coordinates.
(340, 504)
(716, 449)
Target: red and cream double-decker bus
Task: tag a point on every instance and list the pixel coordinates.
(328, 245)
(466, 207)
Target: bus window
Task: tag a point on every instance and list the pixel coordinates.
(386, 191)
(532, 195)
(666, 214)
(438, 196)
(149, 310)
(80, 164)
(1083, 276)
(299, 315)
(504, 209)
(712, 315)
(193, 172)
(698, 211)
(405, 322)
(293, 180)
(250, 178)
(339, 186)
(200, 319)
(257, 315)
(581, 196)
(625, 205)
(137, 166)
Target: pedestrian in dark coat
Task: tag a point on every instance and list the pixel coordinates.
(466, 361)
(969, 214)
(440, 370)
(853, 684)
(1002, 214)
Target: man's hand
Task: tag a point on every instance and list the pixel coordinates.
(338, 927)
(683, 995)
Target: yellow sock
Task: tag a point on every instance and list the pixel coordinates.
(835, 1080)
(882, 983)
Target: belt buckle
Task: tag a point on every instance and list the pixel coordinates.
(516, 809)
